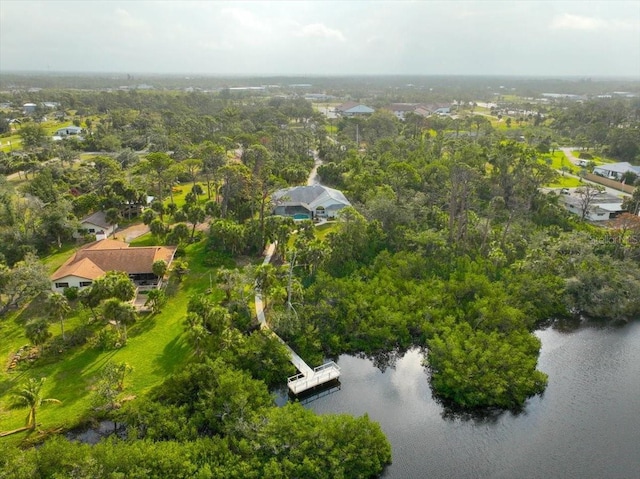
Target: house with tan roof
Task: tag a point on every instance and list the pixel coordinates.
(95, 259)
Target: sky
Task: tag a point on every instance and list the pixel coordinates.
(482, 37)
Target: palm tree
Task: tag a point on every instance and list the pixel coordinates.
(58, 307)
(38, 333)
(31, 396)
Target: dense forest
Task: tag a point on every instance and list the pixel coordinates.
(452, 245)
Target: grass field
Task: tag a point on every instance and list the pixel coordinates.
(565, 182)
(560, 160)
(155, 348)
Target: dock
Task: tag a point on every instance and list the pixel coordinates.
(307, 378)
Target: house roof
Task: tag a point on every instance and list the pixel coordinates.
(403, 106)
(622, 167)
(70, 128)
(353, 107)
(98, 219)
(311, 196)
(83, 268)
(347, 105)
(95, 259)
(359, 109)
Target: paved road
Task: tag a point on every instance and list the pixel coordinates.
(568, 151)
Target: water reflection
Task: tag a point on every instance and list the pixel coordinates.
(586, 425)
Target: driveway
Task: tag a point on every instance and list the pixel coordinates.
(131, 232)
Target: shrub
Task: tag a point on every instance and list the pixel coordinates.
(71, 293)
(107, 339)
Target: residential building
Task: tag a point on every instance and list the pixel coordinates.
(68, 131)
(602, 207)
(616, 171)
(96, 224)
(308, 202)
(95, 259)
(351, 108)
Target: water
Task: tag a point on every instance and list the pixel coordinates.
(586, 425)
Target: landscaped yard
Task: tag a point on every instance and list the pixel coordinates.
(155, 348)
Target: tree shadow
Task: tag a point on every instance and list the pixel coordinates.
(488, 415)
(172, 355)
(575, 323)
(384, 360)
(143, 325)
(34, 309)
(71, 380)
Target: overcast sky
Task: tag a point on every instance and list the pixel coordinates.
(597, 38)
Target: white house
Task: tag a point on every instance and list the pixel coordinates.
(308, 202)
(603, 207)
(400, 110)
(96, 224)
(95, 259)
(68, 131)
(616, 171)
(28, 108)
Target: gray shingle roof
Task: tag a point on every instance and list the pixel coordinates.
(311, 195)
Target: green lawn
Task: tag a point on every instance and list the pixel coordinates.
(560, 160)
(155, 348)
(55, 260)
(180, 191)
(146, 239)
(565, 182)
(324, 229)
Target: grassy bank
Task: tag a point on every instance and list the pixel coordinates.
(155, 348)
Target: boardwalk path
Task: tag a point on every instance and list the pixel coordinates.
(308, 378)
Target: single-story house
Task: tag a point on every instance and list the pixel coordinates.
(400, 110)
(351, 108)
(308, 202)
(603, 207)
(95, 259)
(443, 110)
(28, 108)
(96, 224)
(616, 171)
(68, 131)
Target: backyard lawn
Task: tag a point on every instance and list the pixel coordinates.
(155, 348)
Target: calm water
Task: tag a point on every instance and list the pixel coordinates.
(586, 425)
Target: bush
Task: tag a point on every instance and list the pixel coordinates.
(216, 259)
(71, 293)
(79, 336)
(107, 339)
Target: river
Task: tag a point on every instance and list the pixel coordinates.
(586, 425)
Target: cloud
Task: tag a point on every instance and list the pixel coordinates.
(125, 19)
(567, 21)
(320, 30)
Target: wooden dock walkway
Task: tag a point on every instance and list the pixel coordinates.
(307, 378)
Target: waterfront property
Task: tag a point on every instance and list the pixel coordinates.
(308, 379)
(95, 259)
